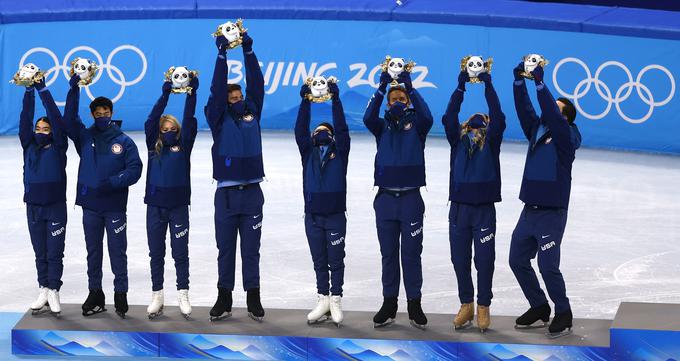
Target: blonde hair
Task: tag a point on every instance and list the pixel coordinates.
(166, 118)
(479, 134)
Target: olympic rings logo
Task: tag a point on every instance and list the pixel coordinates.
(622, 93)
(114, 73)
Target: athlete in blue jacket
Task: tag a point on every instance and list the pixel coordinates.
(399, 208)
(325, 155)
(546, 184)
(45, 146)
(238, 169)
(474, 187)
(168, 194)
(109, 164)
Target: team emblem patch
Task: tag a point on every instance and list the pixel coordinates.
(116, 148)
(174, 148)
(248, 117)
(408, 126)
(332, 155)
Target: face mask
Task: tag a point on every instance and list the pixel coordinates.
(323, 137)
(102, 122)
(397, 110)
(239, 107)
(42, 138)
(169, 138)
(477, 122)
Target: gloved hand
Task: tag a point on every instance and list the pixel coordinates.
(405, 78)
(167, 87)
(104, 186)
(385, 79)
(247, 43)
(39, 84)
(538, 75)
(334, 90)
(463, 77)
(485, 77)
(221, 43)
(518, 70)
(304, 90)
(193, 83)
(73, 82)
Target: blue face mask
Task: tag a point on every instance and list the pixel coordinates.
(397, 110)
(477, 122)
(239, 107)
(102, 122)
(169, 138)
(323, 137)
(42, 138)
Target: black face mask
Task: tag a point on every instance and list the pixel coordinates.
(169, 138)
(323, 137)
(42, 139)
(239, 107)
(397, 110)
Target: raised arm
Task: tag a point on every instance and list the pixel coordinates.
(342, 140)
(450, 119)
(217, 101)
(54, 115)
(133, 168)
(302, 136)
(152, 124)
(558, 125)
(189, 122)
(424, 118)
(26, 118)
(372, 115)
(72, 122)
(525, 110)
(254, 78)
(496, 125)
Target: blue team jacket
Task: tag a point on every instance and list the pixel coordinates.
(324, 180)
(400, 159)
(475, 178)
(547, 170)
(168, 182)
(44, 167)
(108, 154)
(237, 142)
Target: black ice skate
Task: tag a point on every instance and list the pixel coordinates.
(95, 303)
(387, 313)
(255, 310)
(120, 303)
(560, 325)
(535, 314)
(416, 315)
(222, 307)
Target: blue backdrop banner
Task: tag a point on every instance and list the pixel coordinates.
(624, 87)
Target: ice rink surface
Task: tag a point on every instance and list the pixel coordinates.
(622, 241)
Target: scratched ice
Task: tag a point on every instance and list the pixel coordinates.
(621, 244)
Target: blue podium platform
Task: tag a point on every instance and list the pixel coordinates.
(284, 335)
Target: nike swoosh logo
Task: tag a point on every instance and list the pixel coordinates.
(484, 229)
(178, 225)
(56, 224)
(115, 221)
(334, 234)
(257, 216)
(413, 224)
(544, 237)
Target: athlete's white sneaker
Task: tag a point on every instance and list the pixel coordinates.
(336, 310)
(38, 305)
(155, 308)
(53, 302)
(321, 312)
(184, 304)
